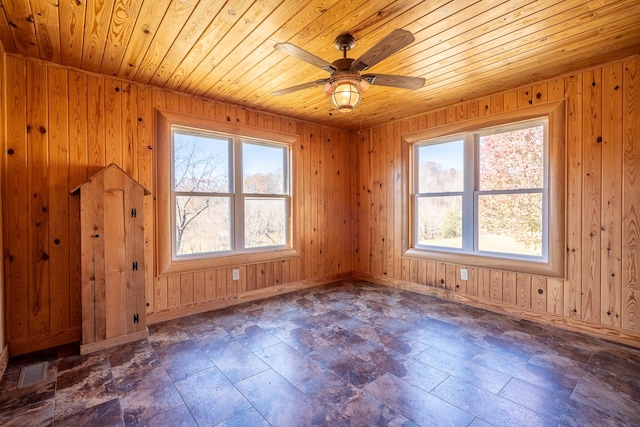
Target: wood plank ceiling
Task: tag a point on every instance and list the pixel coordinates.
(224, 49)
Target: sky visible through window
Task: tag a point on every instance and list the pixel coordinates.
(256, 157)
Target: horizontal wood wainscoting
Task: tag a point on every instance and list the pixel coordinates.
(64, 125)
(601, 286)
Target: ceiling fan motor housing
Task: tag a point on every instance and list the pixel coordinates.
(344, 42)
(344, 73)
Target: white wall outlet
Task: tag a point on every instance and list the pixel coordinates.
(235, 274)
(464, 274)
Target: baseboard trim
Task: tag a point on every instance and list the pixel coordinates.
(111, 342)
(44, 341)
(186, 310)
(4, 360)
(599, 331)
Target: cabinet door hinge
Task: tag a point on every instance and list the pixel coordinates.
(133, 212)
(135, 266)
(136, 319)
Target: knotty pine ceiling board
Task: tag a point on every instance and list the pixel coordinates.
(223, 50)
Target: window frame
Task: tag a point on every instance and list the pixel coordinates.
(554, 264)
(168, 262)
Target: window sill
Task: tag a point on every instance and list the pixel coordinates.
(205, 263)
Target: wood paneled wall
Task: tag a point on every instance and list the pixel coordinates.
(603, 207)
(63, 125)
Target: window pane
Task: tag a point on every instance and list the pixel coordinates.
(201, 163)
(203, 224)
(440, 221)
(512, 160)
(441, 167)
(263, 169)
(264, 222)
(510, 223)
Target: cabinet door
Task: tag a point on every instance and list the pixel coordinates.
(123, 263)
(134, 259)
(116, 265)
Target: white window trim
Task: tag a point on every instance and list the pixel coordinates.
(554, 265)
(167, 262)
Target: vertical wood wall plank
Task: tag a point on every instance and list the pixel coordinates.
(113, 122)
(129, 120)
(611, 268)
(17, 201)
(144, 148)
(555, 296)
(592, 193)
(173, 291)
(186, 288)
(38, 154)
(509, 288)
(472, 282)
(96, 135)
(496, 285)
(78, 158)
(539, 294)
(199, 291)
(573, 288)
(523, 290)
(221, 282)
(210, 284)
(59, 249)
(631, 197)
(460, 285)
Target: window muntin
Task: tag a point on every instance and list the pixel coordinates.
(230, 194)
(501, 209)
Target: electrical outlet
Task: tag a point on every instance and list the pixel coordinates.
(236, 274)
(464, 274)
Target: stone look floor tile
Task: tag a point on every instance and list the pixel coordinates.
(179, 416)
(84, 385)
(290, 363)
(543, 377)
(182, 359)
(108, 413)
(13, 399)
(277, 400)
(486, 378)
(564, 410)
(345, 354)
(416, 404)
(38, 414)
(234, 360)
(210, 397)
(488, 406)
(347, 366)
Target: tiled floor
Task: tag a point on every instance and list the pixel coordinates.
(346, 354)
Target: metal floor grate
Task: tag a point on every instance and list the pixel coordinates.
(33, 374)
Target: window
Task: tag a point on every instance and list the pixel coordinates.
(208, 203)
(491, 196)
(226, 198)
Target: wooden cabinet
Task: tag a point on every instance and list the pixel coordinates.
(112, 251)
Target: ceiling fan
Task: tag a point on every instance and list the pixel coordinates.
(345, 85)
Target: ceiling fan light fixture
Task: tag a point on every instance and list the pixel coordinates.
(346, 94)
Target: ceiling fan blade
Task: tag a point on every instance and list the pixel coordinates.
(296, 52)
(403, 82)
(386, 47)
(299, 87)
